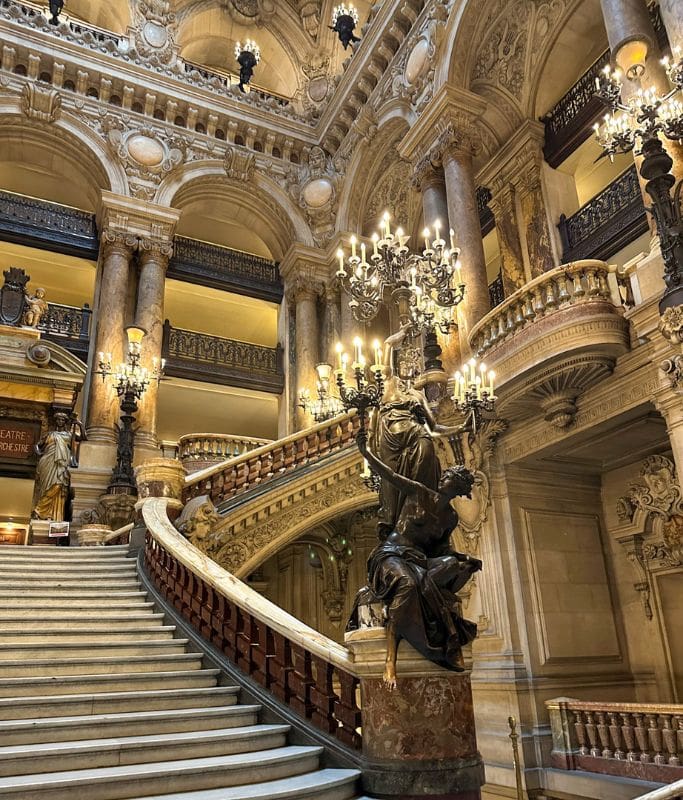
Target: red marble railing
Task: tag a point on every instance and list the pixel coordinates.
(225, 480)
(635, 740)
(300, 667)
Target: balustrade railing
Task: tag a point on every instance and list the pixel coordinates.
(496, 291)
(198, 451)
(239, 474)
(227, 80)
(609, 221)
(214, 359)
(580, 282)
(305, 670)
(487, 221)
(637, 740)
(68, 326)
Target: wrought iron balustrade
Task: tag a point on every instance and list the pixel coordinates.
(486, 218)
(49, 226)
(496, 291)
(68, 326)
(226, 269)
(612, 219)
(214, 359)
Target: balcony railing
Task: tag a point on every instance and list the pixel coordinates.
(201, 450)
(226, 269)
(213, 359)
(68, 326)
(611, 220)
(496, 291)
(569, 123)
(633, 740)
(49, 226)
(486, 218)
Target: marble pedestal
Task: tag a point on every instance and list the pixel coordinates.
(419, 739)
(38, 533)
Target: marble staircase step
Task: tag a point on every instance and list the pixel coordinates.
(39, 583)
(99, 665)
(64, 608)
(113, 752)
(76, 568)
(324, 784)
(93, 635)
(58, 598)
(49, 552)
(136, 703)
(117, 783)
(134, 646)
(59, 578)
(105, 622)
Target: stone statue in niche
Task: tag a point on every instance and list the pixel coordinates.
(57, 452)
(416, 574)
(36, 308)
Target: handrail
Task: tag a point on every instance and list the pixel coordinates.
(296, 663)
(201, 450)
(674, 791)
(583, 280)
(237, 474)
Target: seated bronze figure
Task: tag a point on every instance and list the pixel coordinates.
(415, 572)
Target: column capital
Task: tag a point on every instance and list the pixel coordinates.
(303, 286)
(136, 218)
(115, 241)
(151, 249)
(301, 259)
(518, 162)
(428, 171)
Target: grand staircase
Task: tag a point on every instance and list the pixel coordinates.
(98, 700)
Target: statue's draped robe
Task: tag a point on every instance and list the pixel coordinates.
(405, 445)
(52, 476)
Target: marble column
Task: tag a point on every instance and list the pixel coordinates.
(332, 321)
(115, 256)
(672, 17)
(503, 206)
(303, 292)
(464, 219)
(430, 181)
(149, 314)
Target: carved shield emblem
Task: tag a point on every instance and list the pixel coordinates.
(12, 296)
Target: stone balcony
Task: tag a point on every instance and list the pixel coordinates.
(552, 340)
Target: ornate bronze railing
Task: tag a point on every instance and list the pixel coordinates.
(50, 226)
(635, 740)
(226, 269)
(611, 220)
(239, 474)
(303, 669)
(213, 359)
(496, 291)
(68, 326)
(201, 450)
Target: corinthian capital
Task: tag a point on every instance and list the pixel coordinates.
(113, 241)
(428, 171)
(155, 248)
(303, 286)
(459, 136)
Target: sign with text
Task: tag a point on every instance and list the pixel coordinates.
(17, 439)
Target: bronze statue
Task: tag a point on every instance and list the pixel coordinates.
(57, 451)
(402, 435)
(416, 573)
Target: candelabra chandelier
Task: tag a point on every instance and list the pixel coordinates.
(326, 405)
(473, 393)
(431, 279)
(643, 120)
(247, 56)
(344, 21)
(130, 380)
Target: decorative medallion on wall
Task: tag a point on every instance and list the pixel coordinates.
(314, 187)
(152, 39)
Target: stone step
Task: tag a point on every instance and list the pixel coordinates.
(323, 784)
(48, 577)
(106, 622)
(148, 723)
(50, 551)
(70, 567)
(94, 753)
(85, 635)
(105, 665)
(116, 783)
(73, 649)
(134, 681)
(40, 583)
(67, 598)
(79, 608)
(114, 702)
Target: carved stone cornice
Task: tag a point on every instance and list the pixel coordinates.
(518, 162)
(306, 262)
(136, 220)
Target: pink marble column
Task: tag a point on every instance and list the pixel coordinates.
(303, 293)
(430, 180)
(333, 298)
(464, 219)
(149, 314)
(103, 407)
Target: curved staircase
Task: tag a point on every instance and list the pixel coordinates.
(99, 701)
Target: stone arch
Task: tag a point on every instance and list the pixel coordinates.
(260, 204)
(67, 150)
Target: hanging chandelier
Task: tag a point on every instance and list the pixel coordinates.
(247, 55)
(431, 279)
(344, 21)
(326, 405)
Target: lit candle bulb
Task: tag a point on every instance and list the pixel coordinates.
(399, 236)
(425, 233)
(366, 468)
(340, 256)
(362, 252)
(387, 227)
(357, 351)
(452, 238)
(477, 384)
(375, 239)
(338, 349)
(353, 246)
(378, 353)
(473, 364)
(463, 389)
